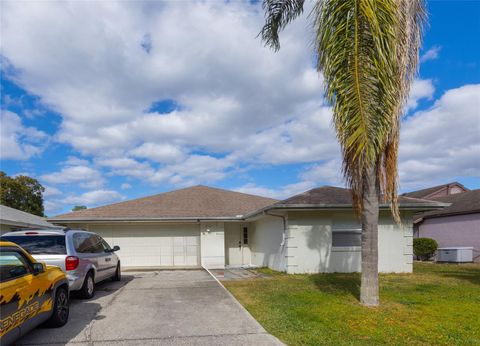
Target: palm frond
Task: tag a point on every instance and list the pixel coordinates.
(355, 43)
(278, 14)
(368, 54)
(412, 18)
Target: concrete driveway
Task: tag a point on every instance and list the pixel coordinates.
(180, 307)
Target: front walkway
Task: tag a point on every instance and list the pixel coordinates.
(229, 274)
(178, 307)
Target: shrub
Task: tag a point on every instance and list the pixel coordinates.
(424, 248)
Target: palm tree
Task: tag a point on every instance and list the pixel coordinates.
(367, 51)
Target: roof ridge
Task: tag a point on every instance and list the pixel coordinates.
(80, 212)
(234, 191)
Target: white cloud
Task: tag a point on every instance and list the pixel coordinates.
(90, 66)
(93, 198)
(51, 191)
(158, 152)
(75, 161)
(194, 170)
(90, 199)
(125, 186)
(442, 142)
(421, 89)
(280, 193)
(84, 176)
(431, 54)
(19, 142)
(326, 173)
(127, 167)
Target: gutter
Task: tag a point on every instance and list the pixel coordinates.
(456, 213)
(125, 220)
(26, 224)
(314, 207)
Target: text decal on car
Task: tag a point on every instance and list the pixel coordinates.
(18, 317)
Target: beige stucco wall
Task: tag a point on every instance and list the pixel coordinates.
(268, 246)
(309, 247)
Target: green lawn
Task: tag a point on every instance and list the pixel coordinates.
(437, 305)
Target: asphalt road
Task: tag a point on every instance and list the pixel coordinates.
(180, 307)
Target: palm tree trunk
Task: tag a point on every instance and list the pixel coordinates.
(369, 286)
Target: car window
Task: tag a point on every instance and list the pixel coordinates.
(97, 244)
(105, 244)
(12, 265)
(40, 244)
(87, 243)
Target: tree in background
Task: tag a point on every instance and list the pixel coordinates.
(367, 51)
(22, 193)
(79, 207)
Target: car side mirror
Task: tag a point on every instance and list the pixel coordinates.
(38, 268)
(116, 248)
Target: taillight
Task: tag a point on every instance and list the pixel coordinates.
(71, 262)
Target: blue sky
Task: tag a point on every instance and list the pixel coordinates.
(104, 102)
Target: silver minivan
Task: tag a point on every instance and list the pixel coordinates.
(84, 256)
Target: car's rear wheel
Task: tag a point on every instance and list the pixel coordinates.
(88, 288)
(118, 273)
(60, 309)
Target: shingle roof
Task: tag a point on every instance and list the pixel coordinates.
(461, 203)
(189, 203)
(327, 197)
(18, 218)
(428, 191)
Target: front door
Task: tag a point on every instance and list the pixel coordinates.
(237, 248)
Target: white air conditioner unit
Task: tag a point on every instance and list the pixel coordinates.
(455, 254)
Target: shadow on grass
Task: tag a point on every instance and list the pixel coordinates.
(468, 272)
(338, 283)
(471, 275)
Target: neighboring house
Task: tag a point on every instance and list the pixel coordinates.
(202, 226)
(437, 191)
(456, 225)
(13, 219)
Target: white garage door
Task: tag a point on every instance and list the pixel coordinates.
(154, 246)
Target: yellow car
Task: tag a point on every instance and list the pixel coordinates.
(30, 293)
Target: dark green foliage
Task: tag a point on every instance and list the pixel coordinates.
(424, 248)
(22, 193)
(79, 207)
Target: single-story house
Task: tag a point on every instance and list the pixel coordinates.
(13, 219)
(455, 226)
(315, 231)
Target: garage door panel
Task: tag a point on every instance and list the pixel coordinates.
(178, 241)
(192, 241)
(153, 246)
(191, 250)
(191, 260)
(166, 261)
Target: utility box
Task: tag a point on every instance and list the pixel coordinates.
(455, 254)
